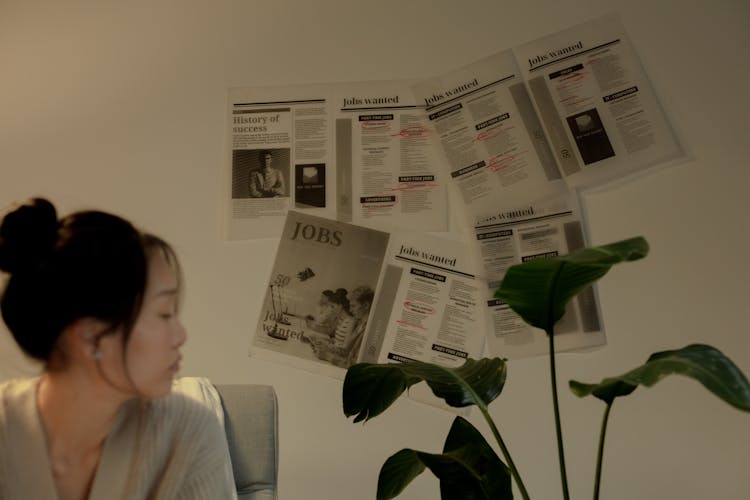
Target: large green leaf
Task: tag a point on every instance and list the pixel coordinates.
(704, 363)
(468, 444)
(397, 472)
(539, 289)
(468, 468)
(369, 389)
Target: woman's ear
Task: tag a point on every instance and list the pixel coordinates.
(83, 336)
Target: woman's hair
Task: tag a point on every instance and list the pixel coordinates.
(88, 264)
(338, 297)
(363, 295)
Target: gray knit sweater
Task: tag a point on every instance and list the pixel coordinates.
(170, 448)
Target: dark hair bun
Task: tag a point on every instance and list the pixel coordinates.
(27, 235)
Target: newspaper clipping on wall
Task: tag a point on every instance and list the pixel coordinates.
(570, 110)
(596, 103)
(520, 132)
(538, 231)
(496, 153)
(351, 176)
(356, 152)
(341, 293)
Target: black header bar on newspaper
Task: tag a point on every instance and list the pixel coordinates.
(495, 234)
(450, 350)
(379, 118)
(398, 357)
(416, 178)
(468, 169)
(620, 94)
(492, 121)
(377, 199)
(427, 274)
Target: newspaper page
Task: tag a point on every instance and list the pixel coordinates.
(515, 202)
(277, 138)
(355, 152)
(398, 179)
(429, 304)
(321, 266)
(493, 142)
(582, 88)
(341, 293)
(539, 230)
(596, 103)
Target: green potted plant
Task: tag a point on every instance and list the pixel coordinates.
(538, 290)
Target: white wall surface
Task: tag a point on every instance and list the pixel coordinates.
(121, 106)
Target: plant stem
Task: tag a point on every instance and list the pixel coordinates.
(600, 453)
(558, 429)
(495, 432)
(506, 453)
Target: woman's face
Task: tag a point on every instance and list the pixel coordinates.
(153, 350)
(359, 309)
(324, 304)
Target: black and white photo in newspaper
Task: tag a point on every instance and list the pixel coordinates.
(321, 288)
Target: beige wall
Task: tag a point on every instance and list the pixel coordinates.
(120, 105)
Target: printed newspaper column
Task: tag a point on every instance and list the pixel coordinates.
(278, 153)
(435, 312)
(513, 196)
(596, 103)
(399, 182)
(538, 231)
(261, 139)
(496, 150)
(429, 307)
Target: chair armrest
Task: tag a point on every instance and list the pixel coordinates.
(251, 425)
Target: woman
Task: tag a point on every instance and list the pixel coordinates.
(331, 306)
(96, 301)
(325, 314)
(362, 298)
(343, 349)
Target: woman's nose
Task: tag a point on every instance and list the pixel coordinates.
(181, 335)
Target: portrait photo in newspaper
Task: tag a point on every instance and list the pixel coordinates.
(260, 173)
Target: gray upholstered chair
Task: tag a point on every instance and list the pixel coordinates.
(251, 424)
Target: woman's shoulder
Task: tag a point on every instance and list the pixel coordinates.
(178, 424)
(192, 406)
(14, 392)
(17, 407)
(18, 385)
(182, 425)
(180, 408)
